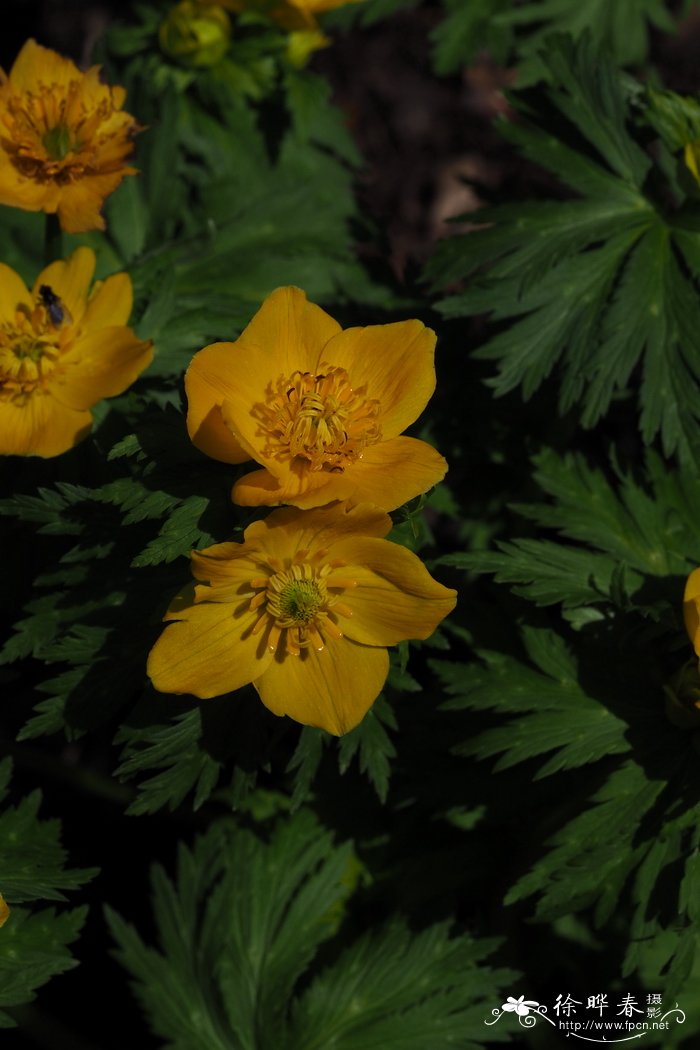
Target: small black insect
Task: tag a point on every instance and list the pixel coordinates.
(54, 307)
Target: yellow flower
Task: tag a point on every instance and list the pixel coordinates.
(320, 409)
(4, 911)
(61, 351)
(691, 609)
(291, 14)
(195, 34)
(304, 609)
(63, 138)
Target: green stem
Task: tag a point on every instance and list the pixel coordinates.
(53, 239)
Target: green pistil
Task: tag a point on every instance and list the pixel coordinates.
(57, 142)
(301, 600)
(34, 351)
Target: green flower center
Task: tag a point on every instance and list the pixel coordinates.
(57, 142)
(298, 603)
(30, 348)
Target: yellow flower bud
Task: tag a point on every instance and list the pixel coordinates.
(195, 34)
(692, 158)
(4, 911)
(303, 42)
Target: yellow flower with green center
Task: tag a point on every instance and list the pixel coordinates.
(64, 140)
(320, 409)
(691, 609)
(4, 911)
(304, 609)
(62, 349)
(683, 692)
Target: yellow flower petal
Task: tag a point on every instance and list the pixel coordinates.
(287, 333)
(396, 361)
(80, 206)
(332, 690)
(4, 911)
(301, 43)
(110, 303)
(226, 570)
(395, 596)
(290, 330)
(41, 427)
(100, 365)
(34, 59)
(296, 487)
(13, 292)
(14, 187)
(208, 652)
(691, 154)
(395, 471)
(284, 532)
(691, 600)
(208, 381)
(389, 474)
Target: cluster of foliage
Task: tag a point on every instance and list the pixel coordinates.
(520, 809)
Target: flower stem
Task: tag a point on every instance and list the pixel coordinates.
(53, 240)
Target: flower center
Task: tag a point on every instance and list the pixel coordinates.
(57, 142)
(319, 419)
(50, 135)
(31, 345)
(299, 602)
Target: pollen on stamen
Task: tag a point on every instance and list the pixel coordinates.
(342, 610)
(273, 638)
(344, 583)
(333, 629)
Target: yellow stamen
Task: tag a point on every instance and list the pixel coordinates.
(296, 605)
(319, 419)
(30, 351)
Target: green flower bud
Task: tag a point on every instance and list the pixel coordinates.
(301, 43)
(692, 158)
(195, 35)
